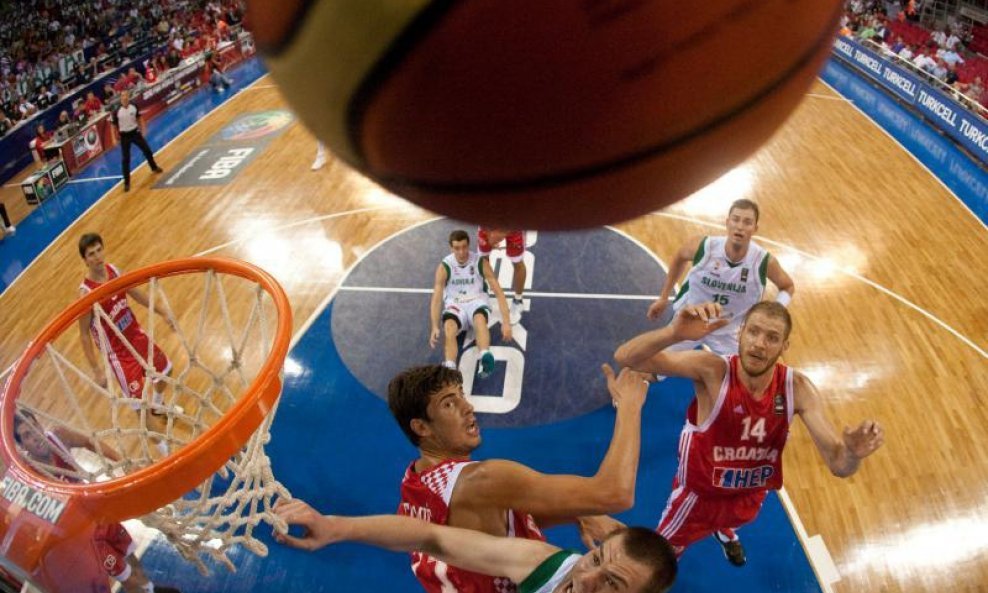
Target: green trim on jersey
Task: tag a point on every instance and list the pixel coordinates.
(700, 251)
(763, 269)
(449, 273)
(545, 571)
(682, 291)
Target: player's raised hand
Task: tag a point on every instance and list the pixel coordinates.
(694, 322)
(318, 530)
(865, 439)
(627, 388)
(595, 529)
(433, 337)
(657, 308)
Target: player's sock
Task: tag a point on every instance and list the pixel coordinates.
(486, 364)
(515, 309)
(450, 364)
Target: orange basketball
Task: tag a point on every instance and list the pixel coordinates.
(544, 114)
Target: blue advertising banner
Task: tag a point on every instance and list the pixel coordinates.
(945, 113)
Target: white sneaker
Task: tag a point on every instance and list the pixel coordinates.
(514, 311)
(11, 230)
(162, 447)
(319, 162)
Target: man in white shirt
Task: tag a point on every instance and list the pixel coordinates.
(127, 118)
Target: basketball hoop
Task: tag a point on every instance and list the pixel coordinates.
(162, 461)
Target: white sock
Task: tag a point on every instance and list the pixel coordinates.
(149, 587)
(450, 364)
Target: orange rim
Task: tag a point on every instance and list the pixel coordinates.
(152, 487)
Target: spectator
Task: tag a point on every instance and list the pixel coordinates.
(63, 119)
(174, 58)
(45, 98)
(41, 137)
(92, 105)
(25, 108)
(109, 92)
(214, 73)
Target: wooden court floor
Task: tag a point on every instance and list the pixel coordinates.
(891, 318)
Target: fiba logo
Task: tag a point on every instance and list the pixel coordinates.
(585, 293)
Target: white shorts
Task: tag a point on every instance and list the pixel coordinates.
(463, 312)
(723, 344)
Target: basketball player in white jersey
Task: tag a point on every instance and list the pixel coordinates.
(728, 270)
(630, 560)
(460, 294)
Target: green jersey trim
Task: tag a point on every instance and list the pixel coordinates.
(449, 273)
(545, 571)
(763, 269)
(700, 251)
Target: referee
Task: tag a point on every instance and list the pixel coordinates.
(127, 118)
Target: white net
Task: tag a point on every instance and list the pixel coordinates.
(153, 391)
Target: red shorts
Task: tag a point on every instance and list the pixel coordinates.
(689, 517)
(515, 241)
(129, 371)
(111, 545)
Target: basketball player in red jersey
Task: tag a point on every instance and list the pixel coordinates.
(499, 497)
(487, 240)
(730, 450)
(112, 546)
(129, 371)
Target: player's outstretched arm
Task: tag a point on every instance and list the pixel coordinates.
(647, 352)
(435, 306)
(842, 454)
(502, 302)
(514, 558)
(680, 262)
(778, 276)
(554, 498)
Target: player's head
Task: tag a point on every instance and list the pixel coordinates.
(429, 406)
(630, 560)
(459, 244)
(29, 435)
(764, 337)
(125, 98)
(742, 222)
(91, 249)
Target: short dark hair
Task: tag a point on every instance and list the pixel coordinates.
(20, 416)
(409, 393)
(772, 309)
(651, 549)
(745, 204)
(459, 235)
(88, 240)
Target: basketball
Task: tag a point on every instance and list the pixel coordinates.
(554, 114)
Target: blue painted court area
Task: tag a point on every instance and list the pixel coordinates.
(48, 220)
(335, 444)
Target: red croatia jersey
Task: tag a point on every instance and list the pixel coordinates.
(738, 448)
(426, 496)
(62, 459)
(118, 309)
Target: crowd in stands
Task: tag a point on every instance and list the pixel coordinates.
(49, 48)
(947, 53)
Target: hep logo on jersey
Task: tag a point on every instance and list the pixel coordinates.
(585, 293)
(737, 477)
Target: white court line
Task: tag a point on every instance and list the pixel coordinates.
(555, 295)
(103, 197)
(906, 150)
(828, 97)
(854, 275)
(259, 87)
(82, 180)
(816, 550)
(88, 179)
